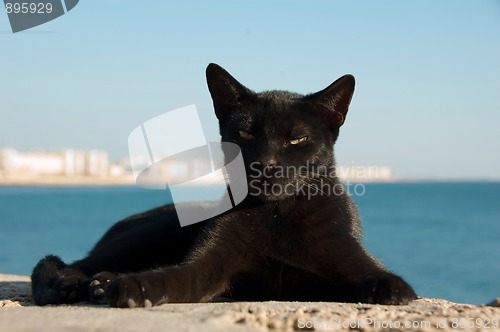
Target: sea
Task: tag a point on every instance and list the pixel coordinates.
(442, 237)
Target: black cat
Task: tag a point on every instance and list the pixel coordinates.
(296, 236)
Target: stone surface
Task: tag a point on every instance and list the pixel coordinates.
(17, 313)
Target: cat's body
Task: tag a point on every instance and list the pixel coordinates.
(302, 242)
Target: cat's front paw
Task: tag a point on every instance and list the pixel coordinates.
(98, 285)
(53, 282)
(385, 288)
(135, 290)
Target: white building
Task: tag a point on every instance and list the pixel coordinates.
(358, 173)
(67, 163)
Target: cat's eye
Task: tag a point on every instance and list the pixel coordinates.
(246, 136)
(299, 140)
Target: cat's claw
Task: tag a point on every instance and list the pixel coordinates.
(99, 292)
(131, 303)
(385, 288)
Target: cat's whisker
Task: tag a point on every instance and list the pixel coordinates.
(329, 196)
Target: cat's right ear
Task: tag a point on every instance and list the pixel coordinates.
(224, 88)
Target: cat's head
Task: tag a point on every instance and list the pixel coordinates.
(286, 138)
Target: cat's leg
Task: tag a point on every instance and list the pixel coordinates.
(208, 273)
(344, 260)
(141, 242)
(384, 287)
(374, 283)
(54, 282)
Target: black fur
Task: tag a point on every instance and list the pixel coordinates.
(303, 244)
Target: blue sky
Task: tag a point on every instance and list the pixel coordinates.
(427, 100)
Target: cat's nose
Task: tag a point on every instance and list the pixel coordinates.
(270, 163)
(269, 167)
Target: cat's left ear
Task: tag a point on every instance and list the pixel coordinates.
(333, 102)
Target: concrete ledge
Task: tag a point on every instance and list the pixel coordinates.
(17, 313)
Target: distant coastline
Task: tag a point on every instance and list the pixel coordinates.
(128, 180)
(63, 181)
(79, 168)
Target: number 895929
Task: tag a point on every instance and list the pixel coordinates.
(28, 7)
